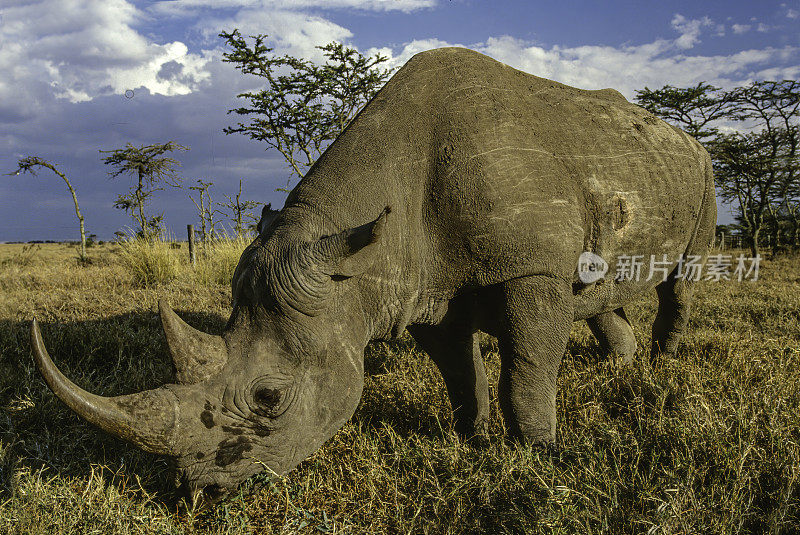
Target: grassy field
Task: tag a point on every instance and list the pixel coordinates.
(707, 442)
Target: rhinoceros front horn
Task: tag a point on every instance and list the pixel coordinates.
(146, 419)
(196, 355)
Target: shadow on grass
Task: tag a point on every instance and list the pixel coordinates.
(111, 356)
(384, 403)
(387, 404)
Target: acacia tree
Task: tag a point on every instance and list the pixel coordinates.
(304, 106)
(774, 107)
(746, 172)
(695, 109)
(240, 210)
(29, 165)
(150, 168)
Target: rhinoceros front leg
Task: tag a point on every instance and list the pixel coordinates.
(454, 348)
(615, 334)
(532, 337)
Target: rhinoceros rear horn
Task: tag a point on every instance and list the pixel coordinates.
(146, 419)
(353, 250)
(196, 355)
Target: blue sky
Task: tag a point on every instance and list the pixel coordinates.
(66, 66)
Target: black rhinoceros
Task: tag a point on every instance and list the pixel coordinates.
(458, 200)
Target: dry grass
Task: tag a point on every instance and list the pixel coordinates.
(162, 261)
(708, 442)
(216, 261)
(149, 262)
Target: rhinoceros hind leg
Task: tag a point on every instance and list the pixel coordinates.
(674, 300)
(536, 316)
(675, 293)
(615, 334)
(454, 348)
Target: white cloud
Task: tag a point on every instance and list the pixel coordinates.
(741, 28)
(763, 28)
(89, 49)
(626, 68)
(778, 73)
(630, 67)
(185, 7)
(405, 54)
(290, 32)
(289, 25)
(690, 30)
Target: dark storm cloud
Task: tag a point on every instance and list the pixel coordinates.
(72, 134)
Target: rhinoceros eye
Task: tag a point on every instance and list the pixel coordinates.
(270, 395)
(267, 398)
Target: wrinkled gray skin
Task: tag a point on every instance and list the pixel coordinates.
(458, 200)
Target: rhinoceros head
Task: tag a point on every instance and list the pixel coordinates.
(286, 373)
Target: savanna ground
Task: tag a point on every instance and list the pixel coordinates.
(706, 442)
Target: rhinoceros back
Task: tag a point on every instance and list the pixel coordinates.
(498, 174)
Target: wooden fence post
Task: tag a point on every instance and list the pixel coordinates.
(190, 230)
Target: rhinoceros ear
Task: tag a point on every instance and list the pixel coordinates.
(353, 250)
(196, 355)
(268, 215)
